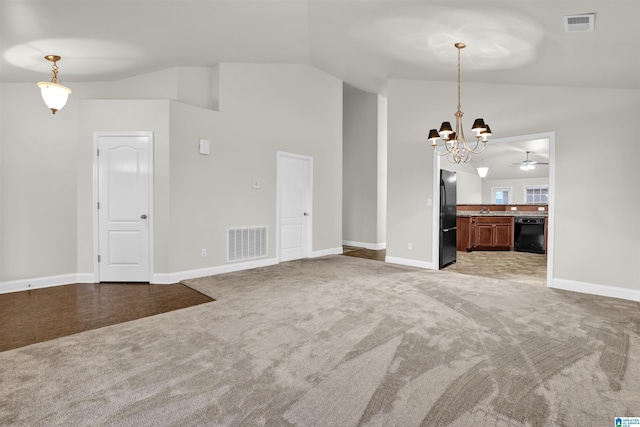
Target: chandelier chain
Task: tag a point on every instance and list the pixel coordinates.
(455, 145)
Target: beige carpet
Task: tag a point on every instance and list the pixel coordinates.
(342, 341)
(514, 266)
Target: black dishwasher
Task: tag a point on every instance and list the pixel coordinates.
(529, 235)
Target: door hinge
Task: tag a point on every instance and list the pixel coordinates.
(98, 152)
(98, 205)
(98, 258)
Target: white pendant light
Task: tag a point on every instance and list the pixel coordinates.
(54, 95)
(482, 171)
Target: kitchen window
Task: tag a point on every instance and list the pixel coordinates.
(536, 194)
(501, 195)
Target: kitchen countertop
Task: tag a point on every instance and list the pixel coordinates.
(503, 213)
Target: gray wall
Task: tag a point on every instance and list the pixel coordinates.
(363, 221)
(597, 199)
(47, 209)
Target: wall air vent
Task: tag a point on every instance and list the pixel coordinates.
(246, 243)
(579, 23)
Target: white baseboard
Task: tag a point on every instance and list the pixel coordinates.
(326, 252)
(158, 278)
(594, 289)
(37, 282)
(86, 278)
(410, 262)
(372, 246)
(169, 278)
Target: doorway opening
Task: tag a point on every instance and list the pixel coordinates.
(504, 158)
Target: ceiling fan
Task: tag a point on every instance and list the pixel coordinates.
(529, 165)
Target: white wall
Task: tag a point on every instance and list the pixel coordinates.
(38, 186)
(469, 183)
(292, 108)
(47, 208)
(364, 168)
(409, 174)
(122, 115)
(597, 234)
(38, 174)
(517, 188)
(382, 171)
(191, 85)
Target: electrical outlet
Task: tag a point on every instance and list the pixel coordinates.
(204, 253)
(410, 246)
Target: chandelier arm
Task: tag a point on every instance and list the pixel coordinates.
(450, 153)
(459, 150)
(475, 147)
(484, 145)
(446, 153)
(457, 159)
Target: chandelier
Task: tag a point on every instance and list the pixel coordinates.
(54, 95)
(455, 145)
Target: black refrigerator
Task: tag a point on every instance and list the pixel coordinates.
(447, 218)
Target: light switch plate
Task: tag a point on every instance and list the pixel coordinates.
(204, 146)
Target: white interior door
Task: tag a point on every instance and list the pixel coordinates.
(295, 174)
(124, 164)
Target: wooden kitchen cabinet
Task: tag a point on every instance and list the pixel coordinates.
(463, 230)
(491, 233)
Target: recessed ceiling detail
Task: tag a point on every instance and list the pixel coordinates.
(82, 56)
(421, 35)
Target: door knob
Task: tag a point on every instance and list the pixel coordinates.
(306, 214)
(143, 216)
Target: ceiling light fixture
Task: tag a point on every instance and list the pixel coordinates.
(54, 95)
(528, 165)
(456, 148)
(482, 171)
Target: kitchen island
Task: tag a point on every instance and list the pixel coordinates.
(491, 227)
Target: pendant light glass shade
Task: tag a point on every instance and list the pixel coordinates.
(482, 171)
(54, 95)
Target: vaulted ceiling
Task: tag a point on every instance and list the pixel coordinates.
(361, 42)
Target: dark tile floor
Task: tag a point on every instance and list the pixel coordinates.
(29, 317)
(353, 251)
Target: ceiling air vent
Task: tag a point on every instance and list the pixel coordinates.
(579, 23)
